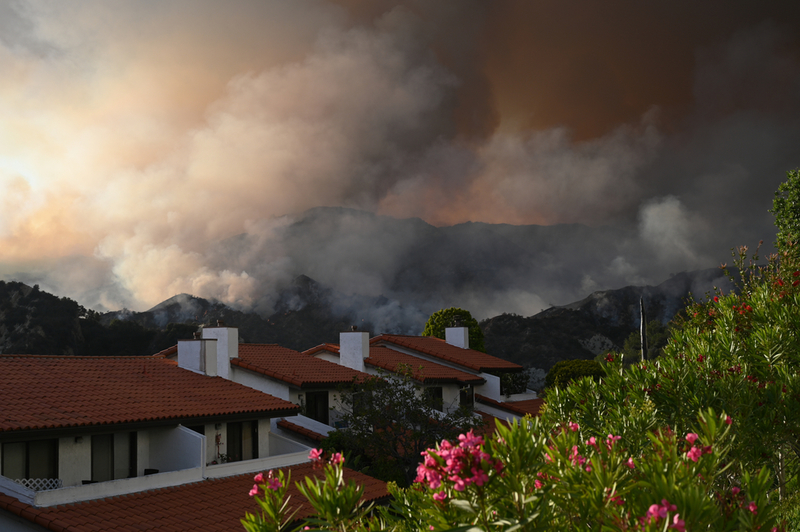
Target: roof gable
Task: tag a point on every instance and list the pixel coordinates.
(438, 348)
(422, 369)
(293, 367)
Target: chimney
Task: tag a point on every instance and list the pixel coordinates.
(227, 346)
(353, 349)
(457, 336)
(198, 355)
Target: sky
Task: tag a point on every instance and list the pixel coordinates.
(135, 134)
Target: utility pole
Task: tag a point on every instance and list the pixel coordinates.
(643, 328)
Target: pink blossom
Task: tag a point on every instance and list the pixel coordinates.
(315, 454)
(259, 477)
(728, 420)
(255, 490)
(691, 437)
(735, 490)
(630, 463)
(592, 441)
(678, 523)
(337, 459)
(694, 454)
(274, 484)
(574, 427)
(611, 440)
(440, 496)
(538, 484)
(752, 507)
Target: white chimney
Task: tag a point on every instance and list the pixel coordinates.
(353, 349)
(227, 346)
(198, 355)
(457, 336)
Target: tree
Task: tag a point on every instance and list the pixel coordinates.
(786, 209)
(565, 371)
(657, 337)
(455, 317)
(389, 420)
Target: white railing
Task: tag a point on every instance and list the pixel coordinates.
(40, 484)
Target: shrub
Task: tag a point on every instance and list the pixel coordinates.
(565, 371)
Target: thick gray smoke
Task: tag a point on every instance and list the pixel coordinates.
(176, 147)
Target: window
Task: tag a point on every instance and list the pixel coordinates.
(433, 394)
(30, 459)
(242, 440)
(317, 406)
(466, 396)
(102, 457)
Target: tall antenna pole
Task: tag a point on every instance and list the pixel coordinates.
(643, 328)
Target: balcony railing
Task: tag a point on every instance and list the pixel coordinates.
(40, 484)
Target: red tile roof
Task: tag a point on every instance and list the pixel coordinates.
(331, 348)
(529, 406)
(436, 347)
(46, 392)
(302, 431)
(168, 352)
(210, 505)
(423, 370)
(293, 367)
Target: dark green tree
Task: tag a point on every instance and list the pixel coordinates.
(786, 209)
(455, 317)
(389, 420)
(566, 371)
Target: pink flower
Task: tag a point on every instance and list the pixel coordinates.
(752, 507)
(254, 491)
(440, 496)
(678, 523)
(694, 454)
(274, 484)
(538, 484)
(735, 490)
(592, 441)
(691, 438)
(315, 454)
(728, 420)
(611, 440)
(337, 459)
(574, 427)
(630, 463)
(259, 477)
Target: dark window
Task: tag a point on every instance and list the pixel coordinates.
(102, 457)
(466, 396)
(31, 459)
(317, 406)
(133, 455)
(434, 395)
(200, 429)
(242, 441)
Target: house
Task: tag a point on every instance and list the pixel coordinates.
(115, 433)
(312, 384)
(448, 368)
(450, 386)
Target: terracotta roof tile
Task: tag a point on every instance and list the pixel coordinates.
(39, 392)
(302, 431)
(293, 367)
(423, 370)
(331, 348)
(170, 351)
(529, 406)
(436, 347)
(212, 504)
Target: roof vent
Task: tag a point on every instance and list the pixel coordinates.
(354, 328)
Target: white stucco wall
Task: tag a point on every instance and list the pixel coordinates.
(74, 460)
(491, 389)
(176, 448)
(261, 383)
(142, 452)
(263, 437)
